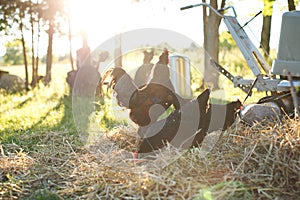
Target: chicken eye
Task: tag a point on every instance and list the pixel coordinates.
(169, 97)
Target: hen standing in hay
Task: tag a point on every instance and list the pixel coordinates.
(179, 128)
(188, 126)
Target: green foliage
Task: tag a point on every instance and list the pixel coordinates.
(14, 53)
(45, 195)
(14, 15)
(14, 12)
(268, 7)
(21, 15)
(226, 41)
(55, 59)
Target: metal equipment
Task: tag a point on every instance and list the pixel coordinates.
(288, 58)
(181, 75)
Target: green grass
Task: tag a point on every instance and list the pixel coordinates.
(109, 117)
(26, 116)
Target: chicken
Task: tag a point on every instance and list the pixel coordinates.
(142, 103)
(140, 100)
(122, 84)
(186, 128)
(160, 73)
(179, 127)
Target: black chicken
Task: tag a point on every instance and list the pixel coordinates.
(179, 127)
(183, 127)
(186, 128)
(139, 100)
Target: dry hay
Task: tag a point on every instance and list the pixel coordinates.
(268, 158)
(246, 163)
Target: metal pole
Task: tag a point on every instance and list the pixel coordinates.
(294, 95)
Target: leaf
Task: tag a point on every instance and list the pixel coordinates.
(268, 7)
(204, 194)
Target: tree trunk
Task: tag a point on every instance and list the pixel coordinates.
(37, 49)
(211, 43)
(49, 53)
(70, 38)
(70, 47)
(206, 57)
(24, 56)
(34, 75)
(291, 4)
(265, 37)
(266, 29)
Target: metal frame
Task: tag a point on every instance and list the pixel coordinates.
(254, 59)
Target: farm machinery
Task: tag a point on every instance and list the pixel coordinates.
(283, 78)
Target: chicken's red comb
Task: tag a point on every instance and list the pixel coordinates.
(136, 155)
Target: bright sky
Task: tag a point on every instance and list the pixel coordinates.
(103, 19)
